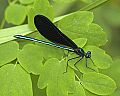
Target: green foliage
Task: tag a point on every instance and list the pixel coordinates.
(8, 33)
(40, 7)
(80, 41)
(58, 83)
(14, 81)
(84, 29)
(114, 72)
(29, 57)
(98, 83)
(49, 62)
(8, 52)
(15, 14)
(99, 57)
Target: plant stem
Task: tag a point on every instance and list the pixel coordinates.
(93, 5)
(14, 1)
(2, 23)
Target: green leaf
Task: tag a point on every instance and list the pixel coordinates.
(52, 77)
(30, 58)
(8, 52)
(15, 81)
(76, 20)
(76, 24)
(114, 72)
(98, 83)
(79, 25)
(41, 7)
(80, 42)
(57, 82)
(44, 8)
(15, 14)
(8, 33)
(96, 36)
(99, 57)
(78, 90)
(26, 1)
(50, 51)
(88, 93)
(86, 66)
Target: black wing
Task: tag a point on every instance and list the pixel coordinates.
(51, 32)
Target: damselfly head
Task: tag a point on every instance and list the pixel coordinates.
(88, 54)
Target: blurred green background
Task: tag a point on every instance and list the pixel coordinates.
(106, 15)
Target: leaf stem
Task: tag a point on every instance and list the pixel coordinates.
(14, 1)
(2, 23)
(77, 77)
(93, 5)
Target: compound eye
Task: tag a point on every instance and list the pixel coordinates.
(88, 54)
